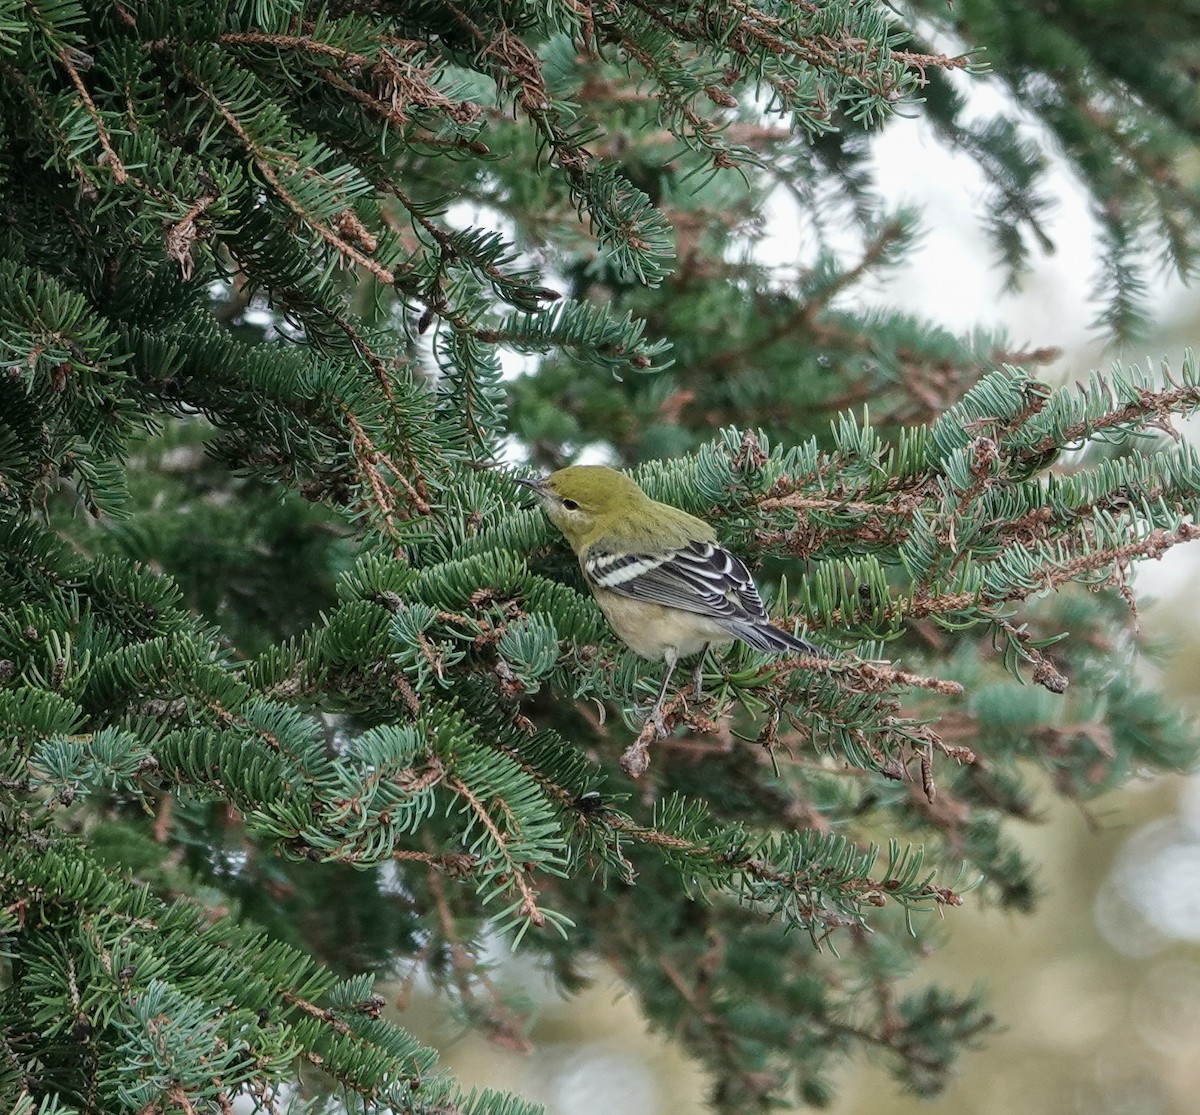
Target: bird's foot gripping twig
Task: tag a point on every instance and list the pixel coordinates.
(636, 759)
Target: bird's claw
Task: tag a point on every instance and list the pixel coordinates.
(636, 759)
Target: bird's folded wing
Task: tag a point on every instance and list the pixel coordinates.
(699, 577)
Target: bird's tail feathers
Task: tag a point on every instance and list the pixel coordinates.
(774, 640)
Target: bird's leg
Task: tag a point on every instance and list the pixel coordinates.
(671, 658)
(636, 759)
(698, 676)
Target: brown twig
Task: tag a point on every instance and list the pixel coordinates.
(339, 243)
(516, 872)
(118, 168)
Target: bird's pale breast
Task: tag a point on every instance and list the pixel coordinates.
(649, 629)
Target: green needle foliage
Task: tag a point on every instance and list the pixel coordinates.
(296, 689)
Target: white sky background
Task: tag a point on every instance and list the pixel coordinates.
(952, 278)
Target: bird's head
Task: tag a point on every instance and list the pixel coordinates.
(582, 499)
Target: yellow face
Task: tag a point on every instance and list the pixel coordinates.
(580, 498)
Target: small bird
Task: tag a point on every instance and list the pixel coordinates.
(660, 577)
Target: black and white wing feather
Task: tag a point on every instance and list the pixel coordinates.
(700, 577)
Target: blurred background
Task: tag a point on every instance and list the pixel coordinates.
(1098, 992)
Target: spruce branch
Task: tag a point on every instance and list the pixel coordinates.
(266, 167)
(1106, 561)
(120, 174)
(403, 84)
(370, 459)
(514, 873)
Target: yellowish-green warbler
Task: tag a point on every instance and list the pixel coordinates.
(658, 574)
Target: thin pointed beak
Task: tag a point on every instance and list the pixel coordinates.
(536, 484)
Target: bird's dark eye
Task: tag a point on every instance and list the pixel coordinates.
(570, 505)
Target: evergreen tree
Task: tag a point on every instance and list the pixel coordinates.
(296, 688)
